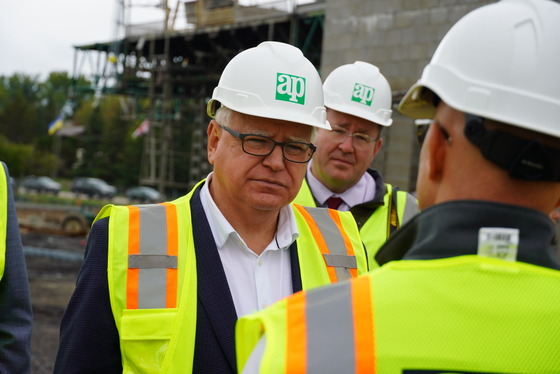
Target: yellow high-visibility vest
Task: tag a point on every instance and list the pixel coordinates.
(153, 280)
(377, 228)
(3, 217)
(466, 314)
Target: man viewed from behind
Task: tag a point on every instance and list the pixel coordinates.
(358, 100)
(162, 285)
(476, 290)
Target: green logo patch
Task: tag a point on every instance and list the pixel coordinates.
(290, 88)
(363, 94)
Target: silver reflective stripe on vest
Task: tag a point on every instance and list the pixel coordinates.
(153, 260)
(330, 309)
(343, 261)
(410, 208)
(337, 257)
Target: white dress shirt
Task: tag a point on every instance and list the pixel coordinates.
(255, 282)
(361, 192)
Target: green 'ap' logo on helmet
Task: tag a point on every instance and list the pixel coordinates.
(363, 94)
(290, 88)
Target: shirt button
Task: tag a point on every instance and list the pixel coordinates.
(260, 262)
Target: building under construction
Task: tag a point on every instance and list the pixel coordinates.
(175, 68)
(176, 71)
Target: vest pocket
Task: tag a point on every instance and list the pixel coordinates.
(145, 335)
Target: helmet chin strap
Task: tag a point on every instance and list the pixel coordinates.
(525, 159)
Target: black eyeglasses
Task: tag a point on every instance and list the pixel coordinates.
(260, 145)
(359, 140)
(422, 130)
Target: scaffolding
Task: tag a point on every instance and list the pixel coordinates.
(168, 69)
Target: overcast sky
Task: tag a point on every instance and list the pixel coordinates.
(37, 36)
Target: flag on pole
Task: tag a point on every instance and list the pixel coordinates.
(142, 129)
(55, 125)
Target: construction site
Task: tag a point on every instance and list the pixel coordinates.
(175, 69)
(174, 61)
(166, 68)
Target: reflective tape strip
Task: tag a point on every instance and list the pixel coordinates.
(133, 249)
(335, 215)
(152, 261)
(341, 261)
(331, 329)
(410, 208)
(318, 237)
(330, 309)
(296, 355)
(335, 243)
(363, 325)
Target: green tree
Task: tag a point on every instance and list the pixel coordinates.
(24, 159)
(19, 107)
(109, 151)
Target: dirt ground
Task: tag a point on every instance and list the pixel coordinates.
(51, 282)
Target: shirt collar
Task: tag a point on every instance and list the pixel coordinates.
(359, 193)
(286, 232)
(453, 229)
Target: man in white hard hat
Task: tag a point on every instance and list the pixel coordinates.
(358, 101)
(476, 291)
(163, 285)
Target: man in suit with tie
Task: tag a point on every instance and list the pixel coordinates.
(162, 285)
(358, 101)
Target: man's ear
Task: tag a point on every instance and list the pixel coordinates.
(377, 146)
(436, 148)
(213, 132)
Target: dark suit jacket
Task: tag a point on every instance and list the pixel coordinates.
(89, 341)
(15, 304)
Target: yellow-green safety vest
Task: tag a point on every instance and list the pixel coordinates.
(3, 217)
(153, 281)
(377, 228)
(465, 314)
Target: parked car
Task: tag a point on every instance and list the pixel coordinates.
(40, 184)
(93, 187)
(144, 194)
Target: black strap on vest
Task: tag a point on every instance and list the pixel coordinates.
(525, 159)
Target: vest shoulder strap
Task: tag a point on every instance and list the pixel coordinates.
(329, 230)
(404, 206)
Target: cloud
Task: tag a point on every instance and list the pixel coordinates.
(37, 36)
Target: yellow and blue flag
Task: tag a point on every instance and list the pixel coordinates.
(55, 125)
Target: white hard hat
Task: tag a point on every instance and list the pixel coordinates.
(359, 89)
(273, 80)
(502, 62)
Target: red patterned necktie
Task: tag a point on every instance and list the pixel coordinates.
(334, 202)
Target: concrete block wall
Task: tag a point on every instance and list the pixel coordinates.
(400, 37)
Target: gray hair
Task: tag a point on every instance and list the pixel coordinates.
(223, 115)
